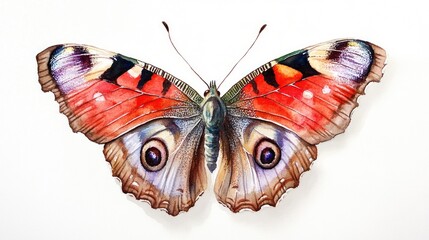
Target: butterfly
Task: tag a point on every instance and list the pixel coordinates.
(159, 134)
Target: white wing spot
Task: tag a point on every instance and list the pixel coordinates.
(99, 97)
(326, 89)
(78, 103)
(135, 184)
(134, 71)
(307, 94)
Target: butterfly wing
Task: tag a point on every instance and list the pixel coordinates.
(161, 162)
(150, 120)
(246, 182)
(308, 95)
(105, 94)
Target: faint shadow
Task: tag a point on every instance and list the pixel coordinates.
(185, 220)
(286, 210)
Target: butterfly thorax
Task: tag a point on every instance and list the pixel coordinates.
(214, 112)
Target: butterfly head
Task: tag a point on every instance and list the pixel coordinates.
(213, 90)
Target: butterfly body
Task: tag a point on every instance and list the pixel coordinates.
(160, 134)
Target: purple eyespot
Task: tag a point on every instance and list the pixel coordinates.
(68, 66)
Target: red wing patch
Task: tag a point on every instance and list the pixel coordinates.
(310, 107)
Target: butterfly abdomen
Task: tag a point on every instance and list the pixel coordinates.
(211, 144)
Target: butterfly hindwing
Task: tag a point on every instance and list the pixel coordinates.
(175, 180)
(246, 182)
(105, 94)
(291, 103)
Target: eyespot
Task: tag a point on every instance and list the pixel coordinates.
(153, 155)
(267, 153)
(218, 93)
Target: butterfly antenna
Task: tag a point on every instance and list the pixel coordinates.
(171, 41)
(232, 69)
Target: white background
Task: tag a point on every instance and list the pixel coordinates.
(370, 183)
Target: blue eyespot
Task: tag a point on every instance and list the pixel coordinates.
(267, 156)
(267, 153)
(154, 155)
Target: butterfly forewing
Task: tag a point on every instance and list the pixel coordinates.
(105, 94)
(313, 91)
